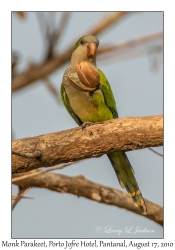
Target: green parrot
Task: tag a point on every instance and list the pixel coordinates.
(87, 96)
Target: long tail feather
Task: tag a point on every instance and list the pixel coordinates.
(125, 175)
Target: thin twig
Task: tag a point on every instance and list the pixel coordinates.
(15, 197)
(50, 35)
(52, 89)
(42, 23)
(128, 54)
(32, 174)
(131, 44)
(21, 192)
(154, 151)
(107, 21)
(53, 35)
(37, 172)
(62, 26)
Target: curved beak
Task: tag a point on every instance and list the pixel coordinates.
(91, 49)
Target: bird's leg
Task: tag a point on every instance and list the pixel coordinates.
(86, 124)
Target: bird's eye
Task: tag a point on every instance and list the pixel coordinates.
(82, 42)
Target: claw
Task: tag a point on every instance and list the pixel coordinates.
(86, 124)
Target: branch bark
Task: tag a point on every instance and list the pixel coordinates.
(76, 144)
(80, 186)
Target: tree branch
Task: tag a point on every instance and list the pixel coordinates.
(42, 70)
(107, 21)
(129, 54)
(131, 44)
(82, 187)
(76, 144)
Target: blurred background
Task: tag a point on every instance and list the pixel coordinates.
(131, 57)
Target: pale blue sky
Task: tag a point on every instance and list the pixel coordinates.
(138, 91)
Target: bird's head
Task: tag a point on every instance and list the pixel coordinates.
(85, 49)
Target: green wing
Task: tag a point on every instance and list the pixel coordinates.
(108, 95)
(66, 103)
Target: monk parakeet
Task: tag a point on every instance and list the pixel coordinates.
(87, 96)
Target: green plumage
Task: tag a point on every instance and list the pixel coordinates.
(97, 106)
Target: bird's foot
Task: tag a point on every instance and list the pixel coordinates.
(86, 124)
